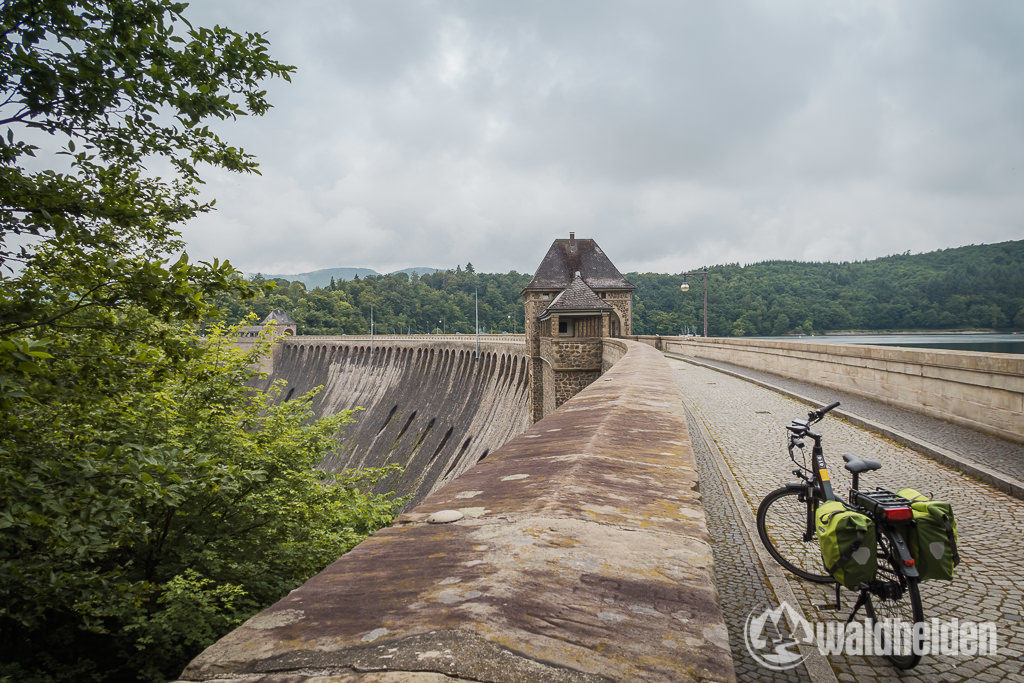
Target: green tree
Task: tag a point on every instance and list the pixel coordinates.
(95, 93)
(781, 325)
(969, 287)
(148, 500)
(145, 511)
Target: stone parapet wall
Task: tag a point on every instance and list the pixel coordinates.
(577, 551)
(612, 350)
(977, 390)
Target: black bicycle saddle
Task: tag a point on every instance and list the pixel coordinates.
(857, 465)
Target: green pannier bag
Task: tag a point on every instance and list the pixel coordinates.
(848, 543)
(932, 536)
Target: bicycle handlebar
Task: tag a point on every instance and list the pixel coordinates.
(816, 415)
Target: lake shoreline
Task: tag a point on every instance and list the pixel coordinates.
(980, 342)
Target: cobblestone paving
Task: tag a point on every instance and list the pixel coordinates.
(741, 582)
(1000, 455)
(747, 423)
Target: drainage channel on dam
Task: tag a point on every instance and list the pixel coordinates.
(433, 408)
(746, 425)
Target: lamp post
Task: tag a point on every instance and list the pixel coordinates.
(686, 287)
(513, 321)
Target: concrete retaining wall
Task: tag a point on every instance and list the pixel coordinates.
(976, 390)
(434, 406)
(578, 552)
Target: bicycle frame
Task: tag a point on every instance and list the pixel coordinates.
(819, 487)
(822, 479)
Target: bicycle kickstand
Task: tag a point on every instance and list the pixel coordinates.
(829, 605)
(862, 600)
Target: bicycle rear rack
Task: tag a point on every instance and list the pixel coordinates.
(885, 503)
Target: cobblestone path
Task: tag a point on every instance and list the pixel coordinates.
(747, 424)
(742, 586)
(1001, 455)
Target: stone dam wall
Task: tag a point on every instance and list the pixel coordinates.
(980, 391)
(433, 405)
(577, 551)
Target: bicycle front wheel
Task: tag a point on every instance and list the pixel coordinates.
(785, 524)
(895, 601)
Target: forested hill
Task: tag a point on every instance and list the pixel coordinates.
(975, 287)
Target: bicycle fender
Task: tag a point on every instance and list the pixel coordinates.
(906, 560)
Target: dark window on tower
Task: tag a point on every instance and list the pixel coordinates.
(563, 327)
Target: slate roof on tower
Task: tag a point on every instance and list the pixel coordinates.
(278, 316)
(567, 256)
(576, 297)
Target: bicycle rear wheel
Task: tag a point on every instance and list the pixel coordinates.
(782, 524)
(895, 601)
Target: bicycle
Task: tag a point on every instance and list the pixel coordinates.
(786, 525)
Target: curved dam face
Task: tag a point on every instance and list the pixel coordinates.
(434, 407)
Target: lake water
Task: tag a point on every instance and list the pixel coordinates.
(985, 343)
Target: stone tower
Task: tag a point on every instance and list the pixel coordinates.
(576, 297)
(282, 322)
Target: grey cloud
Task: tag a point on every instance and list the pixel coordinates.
(435, 133)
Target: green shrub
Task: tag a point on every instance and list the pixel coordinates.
(148, 506)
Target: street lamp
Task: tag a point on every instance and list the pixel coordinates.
(513, 321)
(686, 287)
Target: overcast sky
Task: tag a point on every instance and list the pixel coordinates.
(676, 134)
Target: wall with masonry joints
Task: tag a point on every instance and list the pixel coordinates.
(534, 304)
(622, 303)
(574, 353)
(568, 383)
(578, 551)
(980, 391)
(569, 365)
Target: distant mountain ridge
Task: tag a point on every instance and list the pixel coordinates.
(322, 277)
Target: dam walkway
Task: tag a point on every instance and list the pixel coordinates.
(737, 430)
(991, 459)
